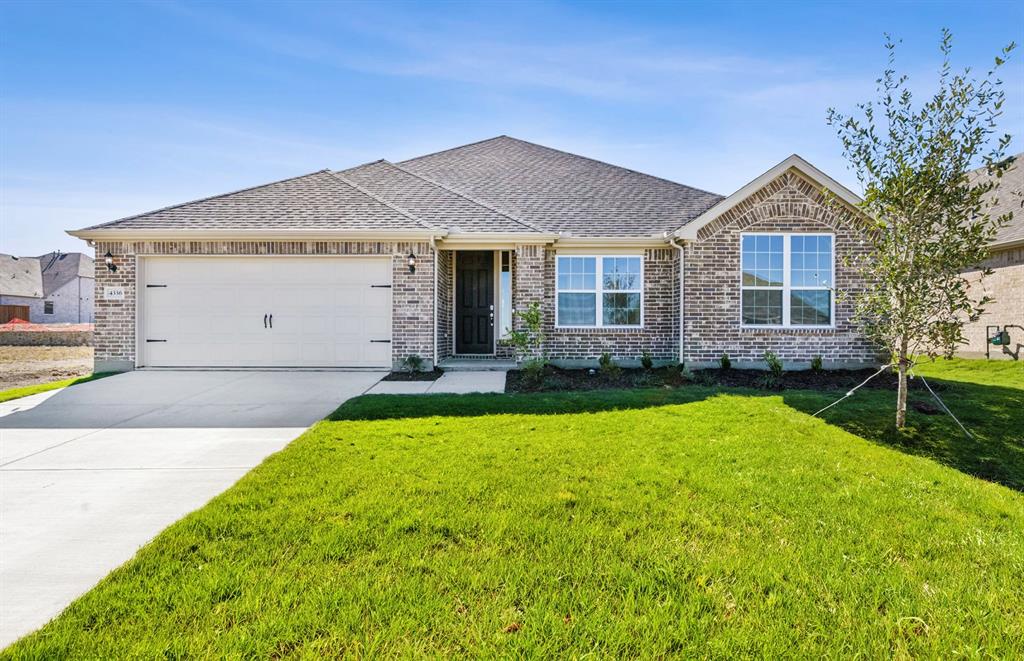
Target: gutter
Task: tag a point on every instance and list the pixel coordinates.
(682, 293)
(266, 235)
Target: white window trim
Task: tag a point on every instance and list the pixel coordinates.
(598, 291)
(786, 287)
(500, 334)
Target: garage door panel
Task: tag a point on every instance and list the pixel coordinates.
(211, 311)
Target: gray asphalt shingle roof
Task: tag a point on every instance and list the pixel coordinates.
(320, 200)
(20, 276)
(498, 185)
(563, 192)
(60, 268)
(431, 202)
(1009, 197)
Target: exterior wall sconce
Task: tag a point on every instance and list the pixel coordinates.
(411, 259)
(108, 259)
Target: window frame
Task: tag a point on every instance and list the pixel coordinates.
(599, 291)
(787, 288)
(48, 307)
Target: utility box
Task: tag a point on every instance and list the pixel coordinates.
(1002, 338)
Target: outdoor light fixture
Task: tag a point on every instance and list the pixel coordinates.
(412, 262)
(108, 259)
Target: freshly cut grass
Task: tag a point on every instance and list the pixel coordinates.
(720, 525)
(15, 393)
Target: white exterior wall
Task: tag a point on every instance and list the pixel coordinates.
(72, 304)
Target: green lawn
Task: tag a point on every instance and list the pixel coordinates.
(15, 393)
(689, 522)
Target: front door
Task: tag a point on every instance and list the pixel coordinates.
(474, 301)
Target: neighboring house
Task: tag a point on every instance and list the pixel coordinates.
(56, 287)
(68, 283)
(431, 257)
(1005, 286)
(20, 282)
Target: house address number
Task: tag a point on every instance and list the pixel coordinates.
(113, 293)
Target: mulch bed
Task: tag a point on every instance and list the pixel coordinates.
(556, 379)
(414, 376)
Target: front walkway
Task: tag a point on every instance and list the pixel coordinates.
(450, 382)
(90, 473)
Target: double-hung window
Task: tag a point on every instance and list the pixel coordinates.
(599, 291)
(787, 280)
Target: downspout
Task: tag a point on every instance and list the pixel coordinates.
(433, 245)
(682, 291)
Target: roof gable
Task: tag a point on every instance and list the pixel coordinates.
(794, 163)
(59, 268)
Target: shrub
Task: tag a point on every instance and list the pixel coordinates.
(528, 341)
(533, 371)
(608, 365)
(816, 364)
(724, 361)
(774, 375)
(646, 360)
(413, 363)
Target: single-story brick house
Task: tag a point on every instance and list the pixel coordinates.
(431, 257)
(1005, 286)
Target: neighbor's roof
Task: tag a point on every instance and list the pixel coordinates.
(60, 268)
(502, 185)
(560, 192)
(318, 201)
(20, 276)
(1009, 198)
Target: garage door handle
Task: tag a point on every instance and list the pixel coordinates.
(264, 321)
(380, 286)
(382, 341)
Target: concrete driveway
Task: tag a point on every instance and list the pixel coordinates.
(90, 473)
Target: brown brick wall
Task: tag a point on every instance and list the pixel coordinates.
(412, 293)
(1006, 287)
(712, 290)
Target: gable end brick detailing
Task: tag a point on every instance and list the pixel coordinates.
(712, 327)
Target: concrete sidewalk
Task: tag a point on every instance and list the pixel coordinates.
(90, 473)
(450, 382)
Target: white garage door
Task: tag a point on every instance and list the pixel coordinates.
(266, 312)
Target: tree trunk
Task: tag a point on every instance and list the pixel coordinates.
(901, 393)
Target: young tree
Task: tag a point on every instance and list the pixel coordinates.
(927, 219)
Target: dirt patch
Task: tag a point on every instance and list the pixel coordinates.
(414, 376)
(555, 379)
(27, 366)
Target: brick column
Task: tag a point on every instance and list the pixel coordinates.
(413, 300)
(114, 335)
(528, 282)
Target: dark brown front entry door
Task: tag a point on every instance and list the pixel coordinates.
(474, 302)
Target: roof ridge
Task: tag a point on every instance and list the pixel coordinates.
(465, 196)
(442, 151)
(205, 199)
(605, 163)
(345, 180)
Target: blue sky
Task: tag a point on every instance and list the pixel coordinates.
(117, 108)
